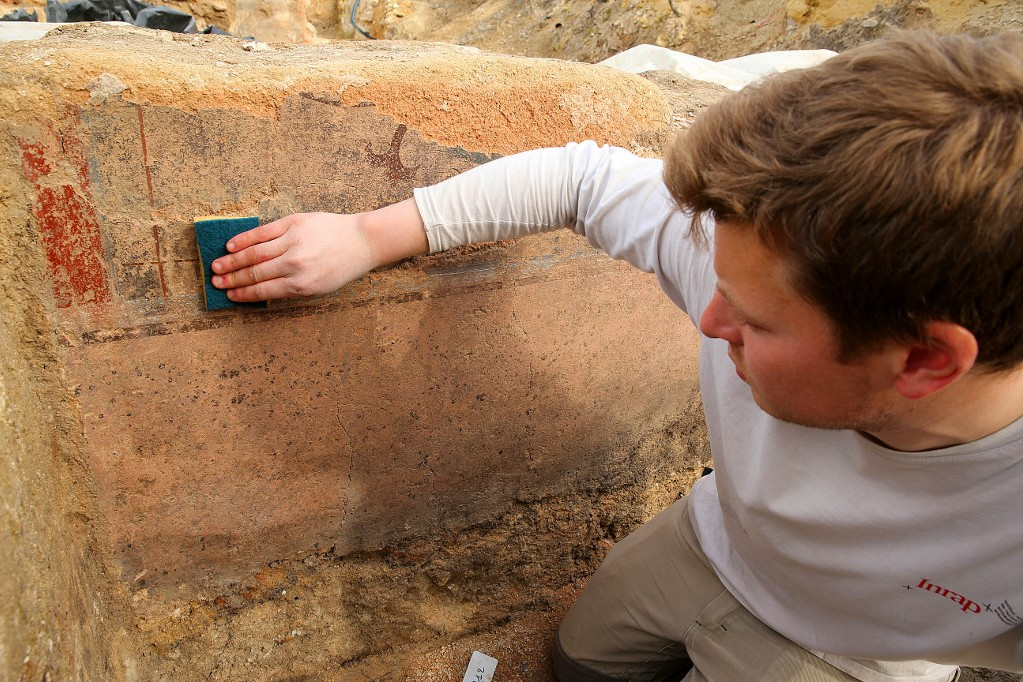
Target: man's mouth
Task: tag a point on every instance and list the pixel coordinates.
(731, 356)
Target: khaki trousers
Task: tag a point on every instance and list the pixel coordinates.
(655, 610)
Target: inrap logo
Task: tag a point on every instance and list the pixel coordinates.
(967, 605)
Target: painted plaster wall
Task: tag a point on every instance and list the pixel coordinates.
(168, 450)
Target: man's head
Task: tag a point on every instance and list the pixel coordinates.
(889, 179)
(784, 347)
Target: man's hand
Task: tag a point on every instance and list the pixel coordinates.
(306, 254)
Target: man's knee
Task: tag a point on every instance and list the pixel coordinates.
(567, 669)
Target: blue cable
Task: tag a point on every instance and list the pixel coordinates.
(351, 18)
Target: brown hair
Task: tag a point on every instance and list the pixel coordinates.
(890, 177)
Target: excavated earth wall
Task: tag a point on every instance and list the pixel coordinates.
(313, 488)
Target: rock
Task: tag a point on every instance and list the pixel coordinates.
(256, 46)
(103, 86)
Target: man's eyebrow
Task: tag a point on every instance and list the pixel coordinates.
(731, 301)
(728, 297)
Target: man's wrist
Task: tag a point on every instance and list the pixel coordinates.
(393, 232)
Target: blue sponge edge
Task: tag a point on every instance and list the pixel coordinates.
(211, 236)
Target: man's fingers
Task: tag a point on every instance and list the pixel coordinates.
(259, 253)
(261, 271)
(241, 246)
(263, 233)
(262, 291)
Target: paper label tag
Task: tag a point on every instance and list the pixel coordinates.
(481, 668)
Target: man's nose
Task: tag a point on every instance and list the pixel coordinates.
(719, 321)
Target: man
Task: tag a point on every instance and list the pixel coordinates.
(861, 299)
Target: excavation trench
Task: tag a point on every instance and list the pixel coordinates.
(367, 485)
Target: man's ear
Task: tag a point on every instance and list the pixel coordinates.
(947, 352)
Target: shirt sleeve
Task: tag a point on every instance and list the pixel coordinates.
(617, 200)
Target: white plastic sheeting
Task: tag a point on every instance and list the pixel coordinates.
(33, 30)
(733, 74)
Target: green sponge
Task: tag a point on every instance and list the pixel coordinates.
(211, 235)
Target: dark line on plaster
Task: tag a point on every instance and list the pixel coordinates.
(444, 270)
(159, 262)
(232, 317)
(475, 157)
(145, 160)
(153, 262)
(321, 99)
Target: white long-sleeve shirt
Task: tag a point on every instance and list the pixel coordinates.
(850, 549)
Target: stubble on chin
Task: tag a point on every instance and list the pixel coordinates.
(865, 416)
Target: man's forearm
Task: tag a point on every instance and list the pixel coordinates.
(614, 198)
(394, 232)
(511, 197)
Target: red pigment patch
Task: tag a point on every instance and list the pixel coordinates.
(70, 233)
(67, 221)
(33, 162)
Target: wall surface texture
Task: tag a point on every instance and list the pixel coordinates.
(166, 454)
